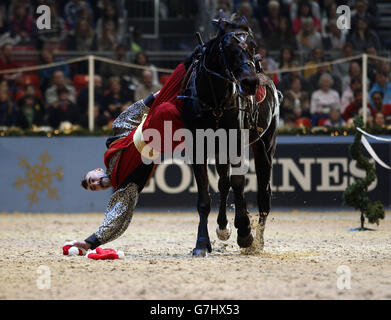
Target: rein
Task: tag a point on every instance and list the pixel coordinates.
(228, 77)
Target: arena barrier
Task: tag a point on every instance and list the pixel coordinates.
(93, 58)
(41, 174)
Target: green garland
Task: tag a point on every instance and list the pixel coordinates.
(355, 194)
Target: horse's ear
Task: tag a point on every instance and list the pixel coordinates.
(222, 15)
(244, 22)
(220, 21)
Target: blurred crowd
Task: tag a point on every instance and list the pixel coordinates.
(318, 96)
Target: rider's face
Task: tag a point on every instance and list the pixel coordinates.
(97, 180)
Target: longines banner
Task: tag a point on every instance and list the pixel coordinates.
(43, 175)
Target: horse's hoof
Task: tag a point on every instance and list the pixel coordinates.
(200, 252)
(224, 234)
(245, 242)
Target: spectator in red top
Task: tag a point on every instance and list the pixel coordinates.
(354, 108)
(304, 11)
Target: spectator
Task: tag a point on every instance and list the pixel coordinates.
(108, 70)
(314, 80)
(354, 72)
(146, 87)
(317, 57)
(354, 108)
(347, 94)
(29, 112)
(335, 120)
(115, 99)
(226, 6)
(341, 69)
(296, 101)
(59, 82)
(336, 38)
(308, 38)
(377, 101)
(315, 9)
(83, 37)
(270, 23)
(286, 58)
(362, 36)
(284, 35)
(108, 39)
(110, 13)
(100, 120)
(21, 25)
(379, 120)
(323, 99)
(383, 85)
(7, 109)
(83, 97)
(62, 110)
(304, 12)
(246, 10)
(45, 75)
(29, 90)
(330, 14)
(289, 122)
(142, 60)
(268, 63)
(55, 37)
(7, 62)
(372, 65)
(73, 9)
(288, 77)
(377, 98)
(361, 12)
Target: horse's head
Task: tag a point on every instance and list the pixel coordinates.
(237, 46)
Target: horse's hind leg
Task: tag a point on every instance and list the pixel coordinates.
(203, 205)
(264, 150)
(223, 229)
(242, 221)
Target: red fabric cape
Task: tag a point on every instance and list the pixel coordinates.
(130, 158)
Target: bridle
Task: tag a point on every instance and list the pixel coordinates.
(228, 76)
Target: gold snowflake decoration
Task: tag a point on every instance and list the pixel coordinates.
(39, 178)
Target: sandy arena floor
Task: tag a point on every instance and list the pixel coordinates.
(300, 260)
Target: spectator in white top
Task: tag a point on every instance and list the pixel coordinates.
(323, 99)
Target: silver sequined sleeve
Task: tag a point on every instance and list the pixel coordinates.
(119, 213)
(130, 118)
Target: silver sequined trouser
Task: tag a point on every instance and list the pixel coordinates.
(119, 213)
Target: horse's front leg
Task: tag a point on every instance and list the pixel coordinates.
(242, 221)
(203, 205)
(223, 229)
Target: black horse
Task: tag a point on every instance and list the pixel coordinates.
(219, 92)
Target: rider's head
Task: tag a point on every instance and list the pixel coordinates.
(96, 180)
